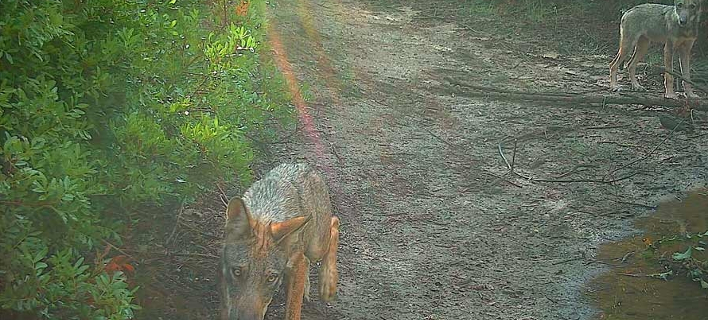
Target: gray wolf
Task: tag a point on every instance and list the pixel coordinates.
(281, 224)
(676, 26)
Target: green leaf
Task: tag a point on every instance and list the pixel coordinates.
(704, 284)
(682, 256)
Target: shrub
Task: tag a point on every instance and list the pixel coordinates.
(105, 106)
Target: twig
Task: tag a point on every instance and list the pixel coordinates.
(626, 256)
(501, 152)
(509, 166)
(551, 300)
(580, 180)
(513, 157)
(118, 249)
(573, 170)
(567, 260)
(222, 195)
(441, 139)
(633, 275)
(336, 154)
(636, 204)
(179, 215)
(187, 254)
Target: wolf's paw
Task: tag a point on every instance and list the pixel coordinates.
(328, 283)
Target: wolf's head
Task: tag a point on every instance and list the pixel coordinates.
(254, 262)
(687, 11)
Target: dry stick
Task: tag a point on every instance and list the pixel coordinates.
(470, 90)
(581, 180)
(222, 196)
(513, 158)
(573, 170)
(626, 256)
(118, 249)
(336, 154)
(501, 152)
(179, 215)
(567, 260)
(441, 139)
(633, 275)
(636, 204)
(188, 254)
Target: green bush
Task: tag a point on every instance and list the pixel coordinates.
(105, 106)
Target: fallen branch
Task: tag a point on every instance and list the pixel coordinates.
(472, 90)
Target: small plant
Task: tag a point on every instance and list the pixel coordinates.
(692, 262)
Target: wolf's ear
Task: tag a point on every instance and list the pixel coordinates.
(280, 230)
(238, 221)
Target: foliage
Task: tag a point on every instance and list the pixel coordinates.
(107, 105)
(692, 262)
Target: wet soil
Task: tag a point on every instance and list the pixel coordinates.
(646, 282)
(451, 207)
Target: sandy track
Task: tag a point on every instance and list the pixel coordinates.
(432, 225)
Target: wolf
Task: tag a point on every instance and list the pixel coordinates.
(282, 223)
(676, 26)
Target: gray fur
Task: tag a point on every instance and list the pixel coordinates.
(676, 26)
(277, 196)
(281, 224)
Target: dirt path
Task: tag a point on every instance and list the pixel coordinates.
(433, 226)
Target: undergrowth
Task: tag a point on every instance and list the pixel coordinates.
(106, 106)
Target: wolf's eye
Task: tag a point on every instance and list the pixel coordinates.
(272, 278)
(236, 272)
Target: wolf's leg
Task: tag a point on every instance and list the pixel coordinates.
(328, 276)
(639, 52)
(295, 286)
(307, 280)
(685, 60)
(669, 65)
(625, 48)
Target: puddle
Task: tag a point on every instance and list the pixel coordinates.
(633, 289)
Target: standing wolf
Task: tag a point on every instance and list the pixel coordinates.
(676, 26)
(282, 223)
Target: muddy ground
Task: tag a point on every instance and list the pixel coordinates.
(434, 225)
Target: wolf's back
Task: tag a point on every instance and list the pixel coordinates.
(277, 197)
